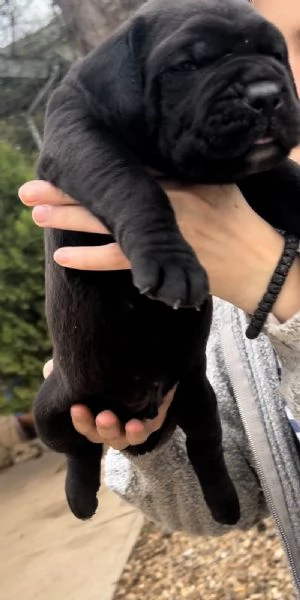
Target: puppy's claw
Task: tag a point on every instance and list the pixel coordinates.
(145, 290)
(177, 304)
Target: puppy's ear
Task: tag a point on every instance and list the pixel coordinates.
(112, 75)
(138, 33)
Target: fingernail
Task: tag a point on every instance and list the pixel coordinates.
(77, 413)
(106, 420)
(105, 428)
(135, 427)
(62, 256)
(40, 214)
(30, 192)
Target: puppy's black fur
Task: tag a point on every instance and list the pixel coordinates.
(202, 91)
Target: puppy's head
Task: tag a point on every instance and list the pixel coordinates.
(219, 96)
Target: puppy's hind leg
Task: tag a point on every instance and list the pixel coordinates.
(197, 414)
(83, 482)
(55, 428)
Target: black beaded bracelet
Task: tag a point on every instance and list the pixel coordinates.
(264, 308)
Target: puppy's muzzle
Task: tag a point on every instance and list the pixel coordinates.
(264, 96)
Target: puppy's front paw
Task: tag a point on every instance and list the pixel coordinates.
(171, 273)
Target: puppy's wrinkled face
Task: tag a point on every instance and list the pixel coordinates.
(219, 90)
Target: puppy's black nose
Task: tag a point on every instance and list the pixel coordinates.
(264, 96)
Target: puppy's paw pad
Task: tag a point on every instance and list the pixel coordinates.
(172, 275)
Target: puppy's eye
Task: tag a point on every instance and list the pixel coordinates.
(186, 65)
(279, 56)
(279, 52)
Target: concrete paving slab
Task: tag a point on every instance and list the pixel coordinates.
(46, 554)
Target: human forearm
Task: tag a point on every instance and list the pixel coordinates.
(239, 249)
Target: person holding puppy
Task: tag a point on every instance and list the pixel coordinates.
(257, 382)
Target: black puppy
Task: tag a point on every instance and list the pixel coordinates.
(202, 91)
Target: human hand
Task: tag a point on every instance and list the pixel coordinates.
(238, 249)
(107, 429)
(295, 154)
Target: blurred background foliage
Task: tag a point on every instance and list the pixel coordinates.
(39, 40)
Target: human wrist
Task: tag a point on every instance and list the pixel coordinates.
(262, 265)
(256, 253)
(279, 276)
(288, 301)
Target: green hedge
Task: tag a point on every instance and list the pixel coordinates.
(24, 343)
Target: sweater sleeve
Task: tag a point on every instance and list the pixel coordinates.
(285, 338)
(163, 485)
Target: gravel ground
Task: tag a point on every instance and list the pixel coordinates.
(239, 566)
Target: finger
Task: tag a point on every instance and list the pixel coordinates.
(42, 192)
(169, 397)
(108, 426)
(94, 258)
(69, 218)
(136, 432)
(84, 423)
(110, 430)
(48, 368)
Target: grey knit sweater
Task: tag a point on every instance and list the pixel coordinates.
(259, 446)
